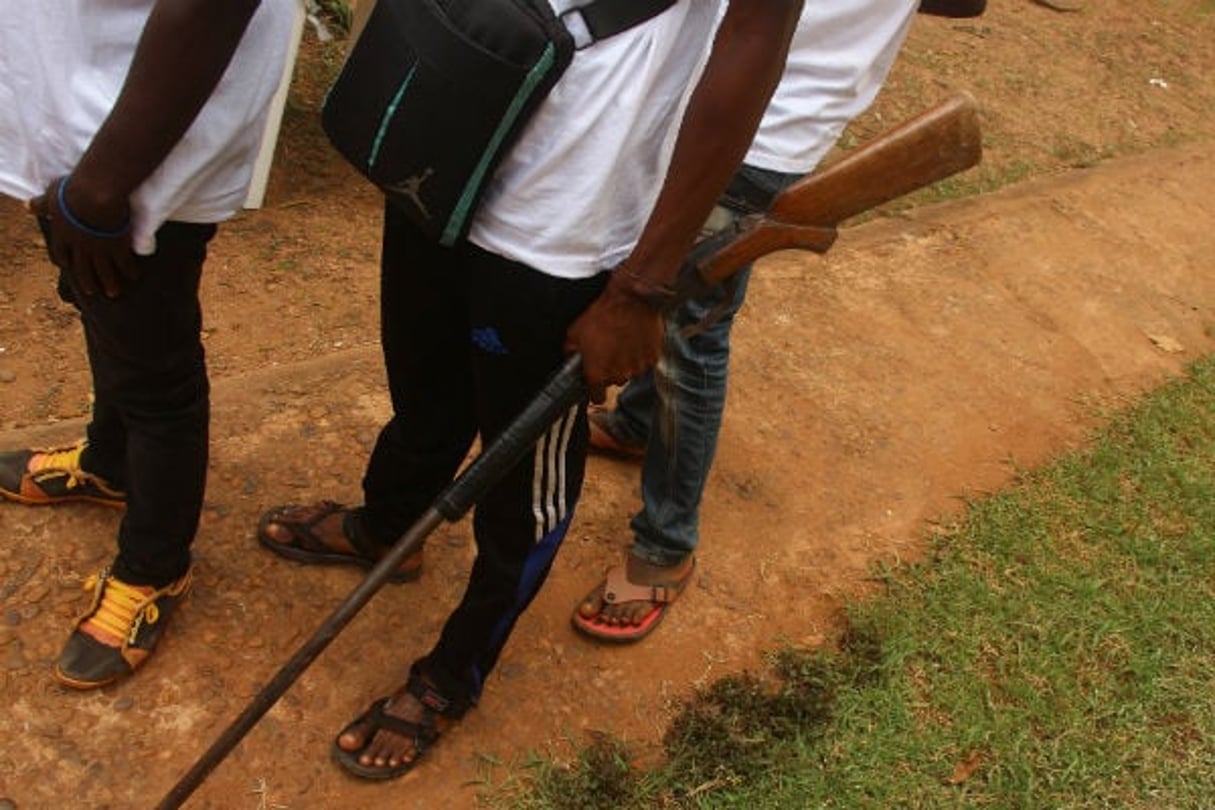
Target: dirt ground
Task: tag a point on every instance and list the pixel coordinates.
(932, 354)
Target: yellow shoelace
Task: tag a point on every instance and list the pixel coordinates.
(64, 460)
(122, 608)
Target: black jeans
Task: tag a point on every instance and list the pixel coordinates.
(469, 338)
(151, 409)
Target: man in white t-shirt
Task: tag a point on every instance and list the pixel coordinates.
(840, 56)
(574, 249)
(131, 128)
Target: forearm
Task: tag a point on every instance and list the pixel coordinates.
(184, 50)
(723, 113)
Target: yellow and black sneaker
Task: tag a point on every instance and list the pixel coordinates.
(42, 477)
(119, 630)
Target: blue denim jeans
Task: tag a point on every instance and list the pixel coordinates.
(676, 409)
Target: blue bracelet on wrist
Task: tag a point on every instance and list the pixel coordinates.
(75, 222)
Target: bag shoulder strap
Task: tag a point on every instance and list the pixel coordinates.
(600, 19)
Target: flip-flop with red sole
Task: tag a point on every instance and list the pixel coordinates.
(616, 588)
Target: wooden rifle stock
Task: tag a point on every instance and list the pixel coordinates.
(936, 144)
(932, 146)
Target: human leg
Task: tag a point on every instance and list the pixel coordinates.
(687, 393)
(627, 425)
(152, 394)
(689, 388)
(150, 376)
(424, 336)
(517, 326)
(690, 384)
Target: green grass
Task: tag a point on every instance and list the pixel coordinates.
(338, 15)
(1059, 641)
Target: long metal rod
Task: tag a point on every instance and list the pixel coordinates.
(562, 392)
(264, 700)
(952, 128)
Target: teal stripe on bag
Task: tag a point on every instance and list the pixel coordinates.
(387, 119)
(456, 221)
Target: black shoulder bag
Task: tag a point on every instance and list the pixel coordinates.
(433, 92)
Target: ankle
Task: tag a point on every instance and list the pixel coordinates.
(641, 568)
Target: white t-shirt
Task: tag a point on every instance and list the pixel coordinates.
(62, 65)
(572, 196)
(838, 59)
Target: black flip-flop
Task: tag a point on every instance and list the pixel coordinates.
(305, 547)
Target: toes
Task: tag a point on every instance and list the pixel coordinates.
(637, 613)
(388, 750)
(353, 738)
(625, 614)
(379, 746)
(591, 607)
(278, 533)
(384, 750)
